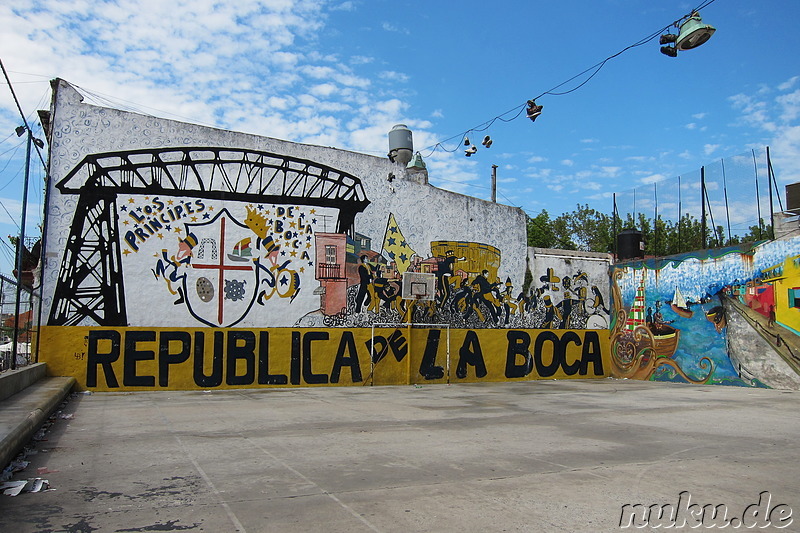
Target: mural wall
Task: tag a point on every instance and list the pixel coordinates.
(153, 223)
(113, 359)
(670, 315)
(569, 289)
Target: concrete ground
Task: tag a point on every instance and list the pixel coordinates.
(539, 456)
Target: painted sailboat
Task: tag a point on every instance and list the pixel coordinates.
(679, 304)
(241, 251)
(665, 337)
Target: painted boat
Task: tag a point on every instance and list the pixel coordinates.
(679, 304)
(665, 339)
(716, 315)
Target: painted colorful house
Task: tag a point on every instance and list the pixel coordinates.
(784, 286)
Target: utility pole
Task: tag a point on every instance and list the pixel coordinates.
(21, 243)
(21, 247)
(494, 183)
(703, 204)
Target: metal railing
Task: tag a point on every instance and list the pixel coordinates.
(26, 325)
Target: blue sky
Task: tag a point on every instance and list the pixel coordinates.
(342, 73)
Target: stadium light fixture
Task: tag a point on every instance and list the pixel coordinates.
(693, 33)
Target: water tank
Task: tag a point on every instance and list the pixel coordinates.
(401, 144)
(630, 245)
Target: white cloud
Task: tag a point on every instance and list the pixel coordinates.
(752, 111)
(786, 154)
(790, 106)
(611, 172)
(690, 126)
(388, 26)
(344, 6)
(361, 60)
(567, 162)
(539, 173)
(394, 76)
(709, 149)
(640, 158)
(601, 196)
(323, 90)
(653, 178)
(699, 116)
(788, 84)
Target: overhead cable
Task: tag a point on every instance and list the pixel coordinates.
(594, 69)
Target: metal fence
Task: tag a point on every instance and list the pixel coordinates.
(732, 198)
(25, 324)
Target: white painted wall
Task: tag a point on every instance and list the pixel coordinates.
(423, 213)
(587, 275)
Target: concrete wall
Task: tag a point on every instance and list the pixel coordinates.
(156, 228)
(570, 289)
(14, 381)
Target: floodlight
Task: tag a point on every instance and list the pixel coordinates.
(694, 32)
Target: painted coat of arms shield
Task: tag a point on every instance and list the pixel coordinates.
(222, 278)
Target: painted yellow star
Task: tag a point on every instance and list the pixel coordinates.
(293, 253)
(131, 201)
(125, 251)
(194, 219)
(178, 230)
(170, 202)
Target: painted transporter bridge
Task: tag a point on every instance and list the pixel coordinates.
(90, 282)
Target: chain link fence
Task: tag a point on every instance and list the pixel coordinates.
(732, 198)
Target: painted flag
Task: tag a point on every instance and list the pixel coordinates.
(395, 246)
(636, 315)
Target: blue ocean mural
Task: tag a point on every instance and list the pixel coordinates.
(669, 321)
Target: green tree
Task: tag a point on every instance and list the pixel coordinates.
(546, 233)
(590, 230)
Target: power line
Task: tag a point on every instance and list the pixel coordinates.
(551, 92)
(19, 108)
